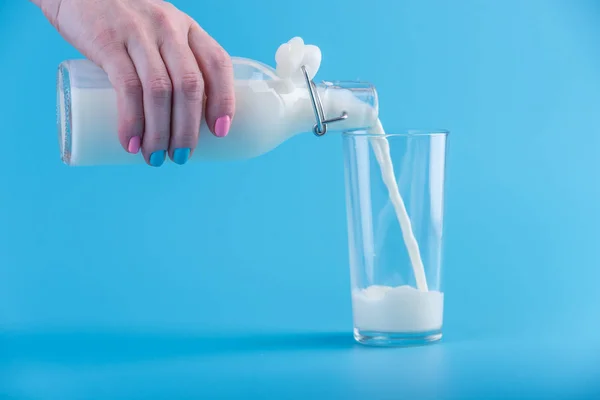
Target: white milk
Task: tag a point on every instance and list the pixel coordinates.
(401, 309)
(258, 126)
(264, 119)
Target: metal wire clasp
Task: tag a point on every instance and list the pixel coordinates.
(320, 127)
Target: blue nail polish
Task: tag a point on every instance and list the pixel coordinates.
(180, 156)
(157, 158)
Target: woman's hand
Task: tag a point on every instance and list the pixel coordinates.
(163, 65)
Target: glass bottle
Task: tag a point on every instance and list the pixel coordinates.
(269, 110)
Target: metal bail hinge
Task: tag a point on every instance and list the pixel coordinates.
(320, 127)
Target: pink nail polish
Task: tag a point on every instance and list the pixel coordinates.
(134, 145)
(222, 126)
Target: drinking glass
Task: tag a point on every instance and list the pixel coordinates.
(395, 212)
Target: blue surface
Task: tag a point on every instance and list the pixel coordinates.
(245, 291)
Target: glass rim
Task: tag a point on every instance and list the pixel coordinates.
(400, 133)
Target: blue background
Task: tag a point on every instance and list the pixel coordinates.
(233, 278)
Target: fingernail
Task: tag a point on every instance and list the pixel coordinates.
(134, 145)
(222, 126)
(157, 158)
(180, 156)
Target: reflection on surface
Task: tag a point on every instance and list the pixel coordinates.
(114, 347)
(326, 365)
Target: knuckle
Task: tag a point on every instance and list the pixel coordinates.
(130, 84)
(227, 102)
(192, 86)
(131, 121)
(220, 60)
(159, 17)
(160, 87)
(106, 40)
(134, 123)
(156, 141)
(136, 32)
(187, 138)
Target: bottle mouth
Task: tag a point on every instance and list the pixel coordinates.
(363, 91)
(63, 112)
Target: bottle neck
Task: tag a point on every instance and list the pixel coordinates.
(344, 106)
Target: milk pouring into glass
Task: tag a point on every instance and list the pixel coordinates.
(272, 105)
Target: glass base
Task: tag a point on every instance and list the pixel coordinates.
(396, 339)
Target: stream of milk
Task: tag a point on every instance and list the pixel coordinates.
(381, 148)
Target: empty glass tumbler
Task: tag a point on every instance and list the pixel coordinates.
(395, 212)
